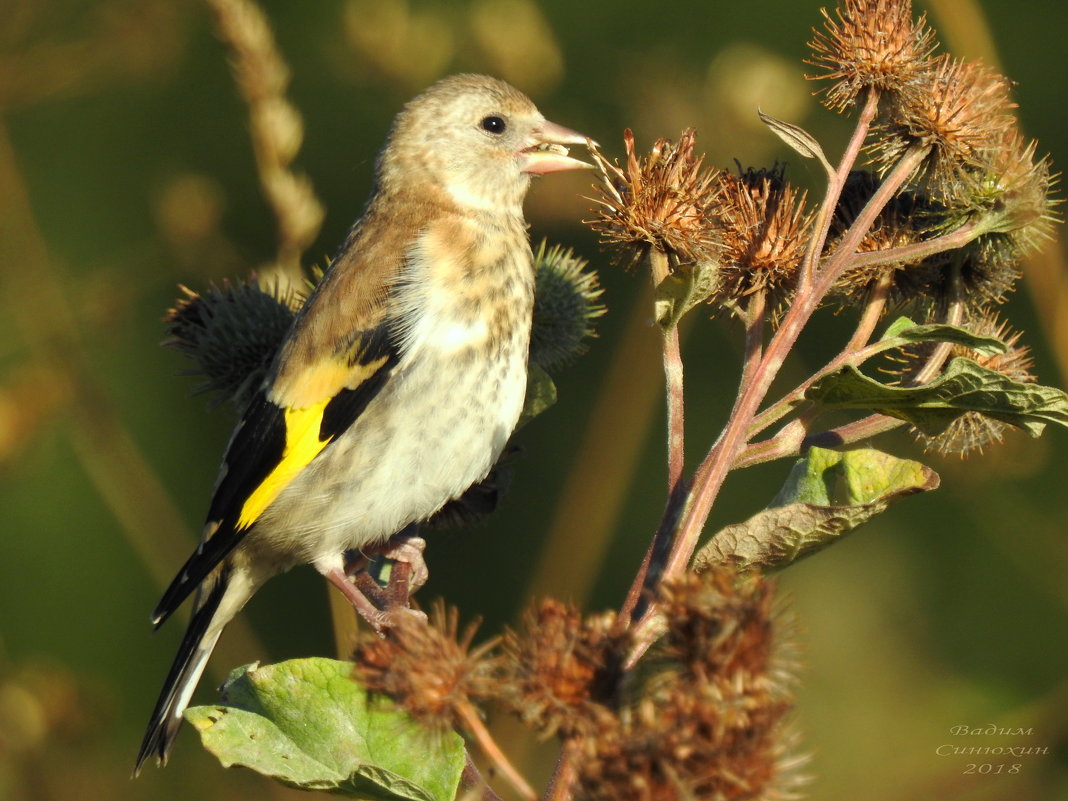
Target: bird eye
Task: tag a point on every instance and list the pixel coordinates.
(494, 124)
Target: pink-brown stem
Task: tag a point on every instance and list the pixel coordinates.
(873, 310)
(859, 354)
(755, 317)
(857, 431)
(834, 189)
(713, 470)
(954, 316)
(676, 440)
(471, 782)
(793, 440)
(563, 777)
(920, 250)
(473, 723)
(673, 374)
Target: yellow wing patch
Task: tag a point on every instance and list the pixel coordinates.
(323, 380)
(302, 445)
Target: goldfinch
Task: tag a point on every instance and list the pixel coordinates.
(402, 376)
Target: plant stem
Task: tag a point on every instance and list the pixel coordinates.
(858, 430)
(787, 442)
(921, 250)
(713, 471)
(673, 374)
(676, 442)
(873, 310)
(755, 317)
(849, 354)
(793, 440)
(954, 316)
(563, 777)
(473, 722)
(788, 402)
(472, 782)
(846, 251)
(834, 189)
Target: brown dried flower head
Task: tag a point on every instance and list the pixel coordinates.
(663, 200)
(711, 724)
(972, 432)
(765, 231)
(874, 44)
(907, 218)
(562, 669)
(430, 670)
(960, 111)
(719, 623)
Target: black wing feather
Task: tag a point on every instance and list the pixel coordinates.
(256, 447)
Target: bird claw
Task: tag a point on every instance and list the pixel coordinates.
(401, 615)
(408, 549)
(382, 606)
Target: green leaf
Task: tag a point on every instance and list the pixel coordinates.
(965, 386)
(827, 494)
(900, 324)
(904, 331)
(682, 289)
(309, 725)
(541, 394)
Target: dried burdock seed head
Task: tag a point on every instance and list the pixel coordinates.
(231, 333)
(960, 111)
(764, 231)
(907, 218)
(712, 722)
(664, 200)
(698, 744)
(430, 670)
(972, 432)
(873, 45)
(563, 669)
(1004, 194)
(718, 623)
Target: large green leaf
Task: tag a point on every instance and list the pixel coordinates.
(965, 386)
(827, 494)
(308, 724)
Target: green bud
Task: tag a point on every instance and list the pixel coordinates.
(565, 306)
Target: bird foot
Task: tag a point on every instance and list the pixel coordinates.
(407, 550)
(381, 605)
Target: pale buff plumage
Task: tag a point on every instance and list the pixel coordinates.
(402, 377)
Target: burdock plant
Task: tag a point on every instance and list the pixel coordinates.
(684, 691)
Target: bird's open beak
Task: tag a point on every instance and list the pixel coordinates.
(547, 151)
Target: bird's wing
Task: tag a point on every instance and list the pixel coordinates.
(337, 358)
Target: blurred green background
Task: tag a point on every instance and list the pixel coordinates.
(126, 168)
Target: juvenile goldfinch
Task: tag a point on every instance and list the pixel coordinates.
(401, 378)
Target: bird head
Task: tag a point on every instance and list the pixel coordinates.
(478, 139)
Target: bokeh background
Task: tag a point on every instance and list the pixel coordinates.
(126, 169)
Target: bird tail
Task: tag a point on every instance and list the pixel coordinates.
(209, 619)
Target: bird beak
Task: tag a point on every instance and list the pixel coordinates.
(547, 151)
